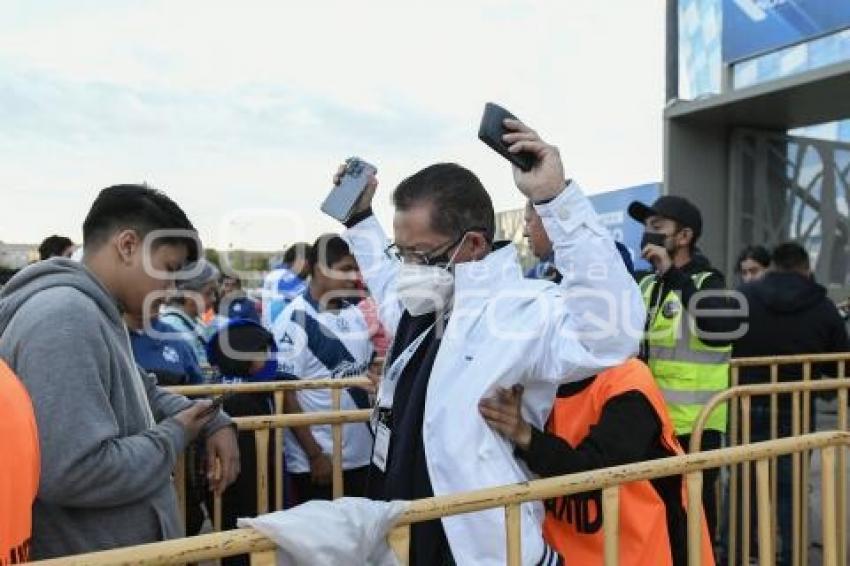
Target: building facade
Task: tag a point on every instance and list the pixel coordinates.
(783, 175)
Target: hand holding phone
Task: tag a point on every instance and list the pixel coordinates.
(195, 417)
(354, 186)
(216, 404)
(492, 130)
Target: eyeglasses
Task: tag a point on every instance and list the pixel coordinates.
(438, 256)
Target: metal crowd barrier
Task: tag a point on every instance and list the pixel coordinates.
(262, 425)
(739, 398)
(262, 550)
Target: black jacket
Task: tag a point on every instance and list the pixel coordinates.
(789, 314)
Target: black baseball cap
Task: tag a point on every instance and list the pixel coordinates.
(675, 208)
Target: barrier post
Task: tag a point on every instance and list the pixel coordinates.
(278, 454)
(805, 458)
(841, 489)
(746, 520)
(774, 434)
(513, 533)
(216, 518)
(694, 482)
(765, 517)
(338, 488)
(261, 444)
(266, 558)
(830, 556)
(611, 524)
(399, 541)
(796, 493)
(217, 512)
(733, 471)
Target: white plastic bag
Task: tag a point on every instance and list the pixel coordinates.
(350, 530)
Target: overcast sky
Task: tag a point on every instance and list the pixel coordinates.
(240, 111)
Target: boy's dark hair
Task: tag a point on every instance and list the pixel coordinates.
(458, 199)
(54, 246)
(790, 256)
(243, 339)
(758, 254)
(141, 208)
(327, 250)
(295, 251)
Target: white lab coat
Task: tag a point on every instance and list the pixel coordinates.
(504, 330)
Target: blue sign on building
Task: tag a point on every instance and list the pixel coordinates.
(611, 208)
(753, 27)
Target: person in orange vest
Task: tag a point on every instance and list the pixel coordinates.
(19, 468)
(616, 417)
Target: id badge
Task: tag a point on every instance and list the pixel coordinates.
(382, 446)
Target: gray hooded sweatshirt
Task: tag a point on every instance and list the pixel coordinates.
(108, 442)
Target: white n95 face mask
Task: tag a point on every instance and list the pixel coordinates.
(423, 289)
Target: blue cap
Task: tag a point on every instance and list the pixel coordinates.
(243, 308)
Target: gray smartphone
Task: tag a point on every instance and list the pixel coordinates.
(342, 200)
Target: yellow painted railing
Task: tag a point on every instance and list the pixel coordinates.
(609, 480)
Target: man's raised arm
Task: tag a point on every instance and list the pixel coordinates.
(598, 314)
(369, 243)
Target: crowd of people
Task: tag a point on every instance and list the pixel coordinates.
(481, 376)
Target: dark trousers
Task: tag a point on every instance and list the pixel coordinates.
(711, 440)
(354, 485)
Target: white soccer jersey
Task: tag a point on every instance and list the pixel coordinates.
(329, 345)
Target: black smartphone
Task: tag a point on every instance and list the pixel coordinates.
(492, 129)
(342, 199)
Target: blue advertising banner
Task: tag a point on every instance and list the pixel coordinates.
(753, 27)
(611, 207)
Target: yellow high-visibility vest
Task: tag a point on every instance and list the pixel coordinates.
(687, 371)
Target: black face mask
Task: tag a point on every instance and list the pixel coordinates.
(654, 238)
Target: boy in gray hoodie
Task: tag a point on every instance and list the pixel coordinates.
(109, 436)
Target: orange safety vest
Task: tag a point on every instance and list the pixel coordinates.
(573, 524)
(19, 468)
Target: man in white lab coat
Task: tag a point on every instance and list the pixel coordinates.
(466, 322)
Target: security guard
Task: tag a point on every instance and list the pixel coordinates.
(686, 346)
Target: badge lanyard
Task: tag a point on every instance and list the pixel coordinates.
(386, 393)
(389, 382)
